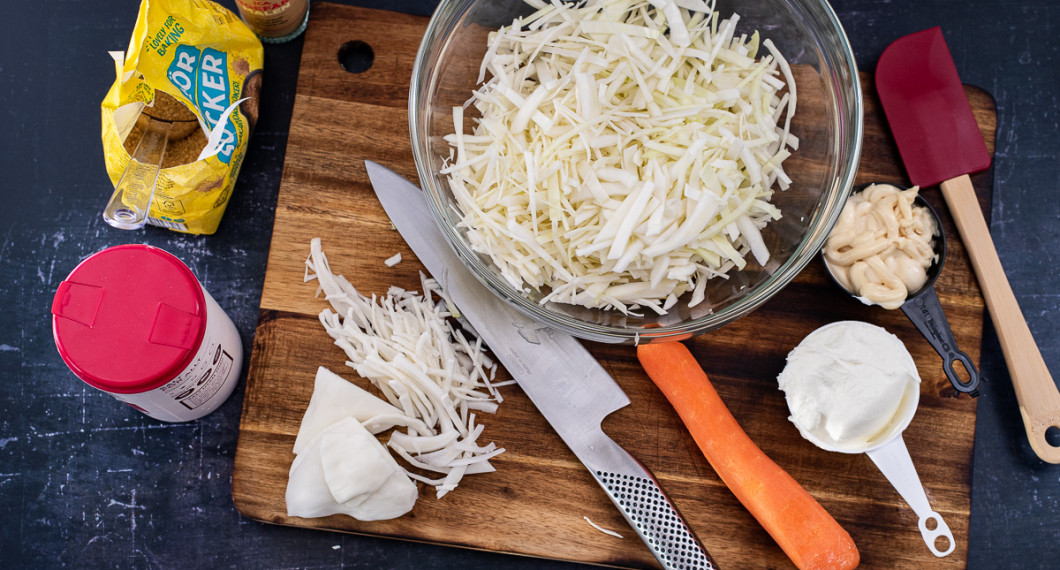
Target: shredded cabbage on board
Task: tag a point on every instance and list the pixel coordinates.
(435, 374)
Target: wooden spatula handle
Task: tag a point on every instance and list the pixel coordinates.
(1038, 396)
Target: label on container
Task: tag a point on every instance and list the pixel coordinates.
(196, 386)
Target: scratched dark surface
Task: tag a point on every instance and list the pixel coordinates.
(86, 482)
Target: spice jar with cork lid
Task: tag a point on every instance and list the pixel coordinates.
(275, 21)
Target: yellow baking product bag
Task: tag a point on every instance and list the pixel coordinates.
(207, 59)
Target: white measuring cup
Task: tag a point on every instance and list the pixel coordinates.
(889, 453)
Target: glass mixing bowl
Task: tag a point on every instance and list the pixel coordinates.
(827, 120)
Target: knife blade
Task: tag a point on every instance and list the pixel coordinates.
(940, 143)
(564, 381)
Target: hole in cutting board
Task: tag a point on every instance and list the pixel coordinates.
(356, 56)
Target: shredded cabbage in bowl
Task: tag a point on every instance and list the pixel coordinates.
(622, 153)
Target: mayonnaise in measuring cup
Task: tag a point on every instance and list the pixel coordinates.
(133, 321)
(849, 386)
(882, 245)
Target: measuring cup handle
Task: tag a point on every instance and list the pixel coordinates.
(925, 311)
(894, 462)
(130, 203)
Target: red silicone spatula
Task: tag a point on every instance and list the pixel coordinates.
(940, 142)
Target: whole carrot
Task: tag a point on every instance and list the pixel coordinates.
(795, 520)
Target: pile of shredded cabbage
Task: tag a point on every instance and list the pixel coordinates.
(623, 152)
(434, 375)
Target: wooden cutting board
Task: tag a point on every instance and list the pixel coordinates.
(535, 502)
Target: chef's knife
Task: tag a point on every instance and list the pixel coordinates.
(561, 377)
(940, 142)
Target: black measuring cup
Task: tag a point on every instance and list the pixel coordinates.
(925, 311)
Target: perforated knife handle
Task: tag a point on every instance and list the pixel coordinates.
(647, 508)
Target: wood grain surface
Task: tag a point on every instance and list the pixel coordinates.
(535, 502)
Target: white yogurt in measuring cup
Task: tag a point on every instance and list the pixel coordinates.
(134, 322)
(849, 385)
(852, 387)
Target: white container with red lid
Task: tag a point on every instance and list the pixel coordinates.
(133, 321)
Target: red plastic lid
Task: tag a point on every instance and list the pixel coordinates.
(129, 318)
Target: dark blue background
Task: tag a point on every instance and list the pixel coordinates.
(87, 482)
